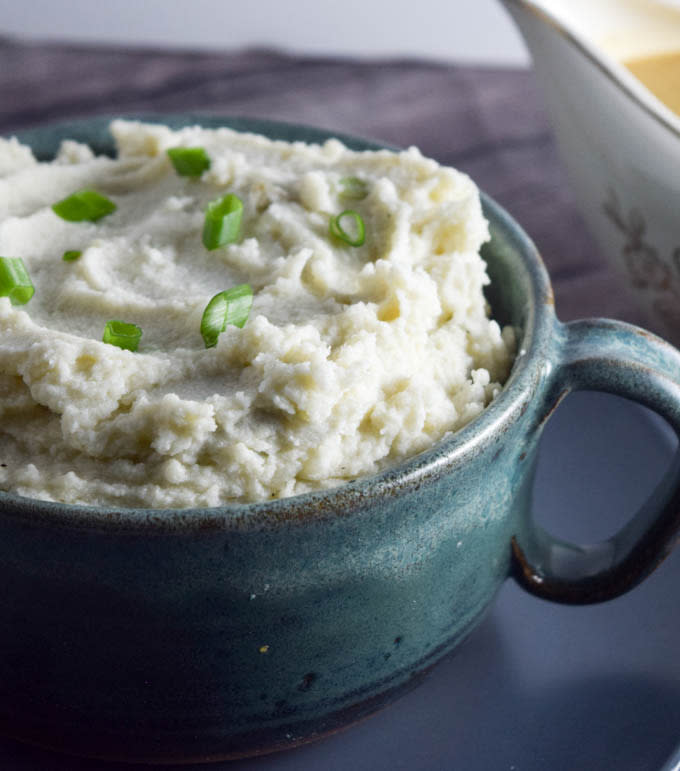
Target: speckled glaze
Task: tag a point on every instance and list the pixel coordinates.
(210, 633)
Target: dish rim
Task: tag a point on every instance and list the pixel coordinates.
(614, 70)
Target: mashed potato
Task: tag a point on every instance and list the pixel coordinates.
(352, 357)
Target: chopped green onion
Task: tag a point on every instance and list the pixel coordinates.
(353, 188)
(85, 205)
(15, 282)
(222, 221)
(71, 255)
(229, 307)
(189, 161)
(336, 228)
(122, 334)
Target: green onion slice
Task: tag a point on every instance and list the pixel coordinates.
(122, 334)
(71, 255)
(356, 236)
(15, 282)
(229, 307)
(353, 188)
(222, 221)
(189, 161)
(85, 205)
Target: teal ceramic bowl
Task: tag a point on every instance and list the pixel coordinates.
(210, 633)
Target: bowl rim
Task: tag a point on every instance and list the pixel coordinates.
(348, 498)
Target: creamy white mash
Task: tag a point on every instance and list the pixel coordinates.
(352, 358)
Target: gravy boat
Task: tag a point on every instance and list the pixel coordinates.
(619, 143)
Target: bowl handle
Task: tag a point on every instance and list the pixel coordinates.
(617, 358)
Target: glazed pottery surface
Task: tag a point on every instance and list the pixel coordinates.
(618, 142)
(200, 634)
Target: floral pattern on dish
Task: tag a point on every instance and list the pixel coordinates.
(646, 268)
